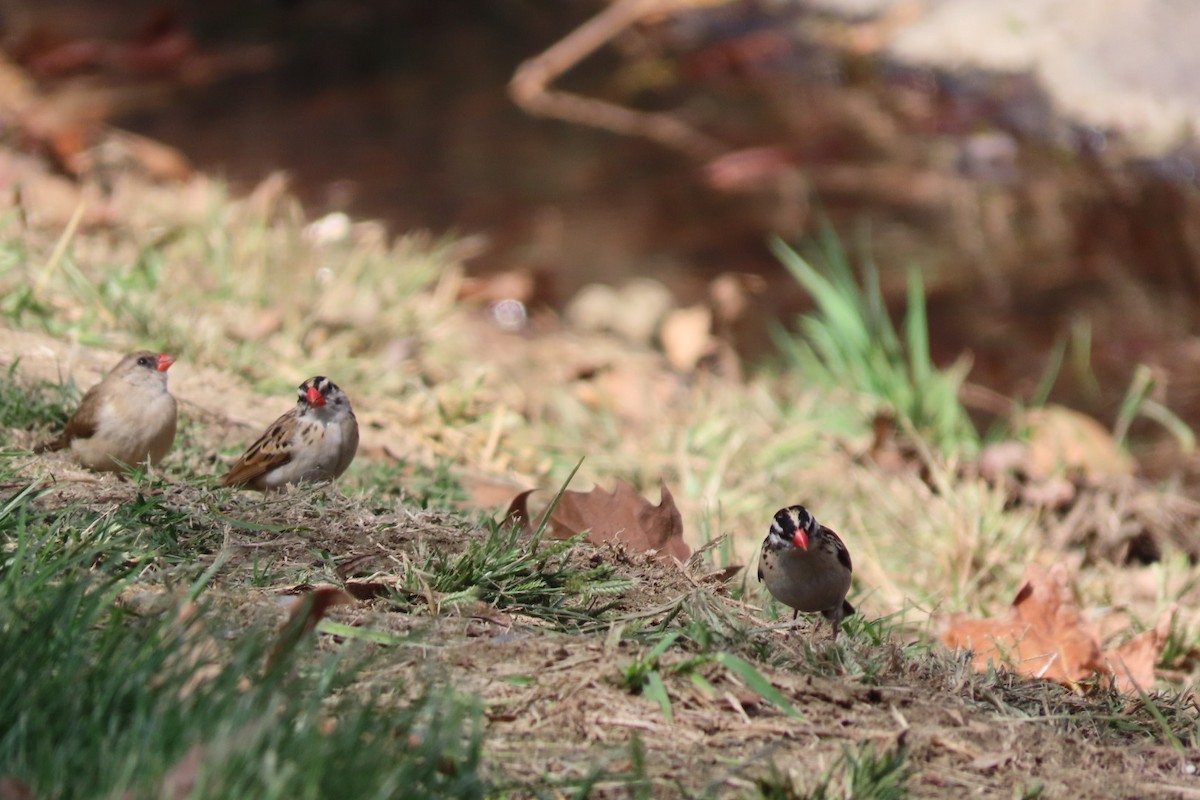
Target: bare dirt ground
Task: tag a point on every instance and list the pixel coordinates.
(554, 706)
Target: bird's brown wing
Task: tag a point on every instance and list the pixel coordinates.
(843, 555)
(82, 424)
(273, 449)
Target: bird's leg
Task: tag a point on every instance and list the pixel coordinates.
(836, 619)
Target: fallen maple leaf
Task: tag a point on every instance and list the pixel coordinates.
(1132, 663)
(1046, 636)
(1043, 636)
(620, 516)
(1065, 441)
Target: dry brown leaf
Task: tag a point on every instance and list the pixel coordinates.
(1065, 441)
(518, 511)
(1044, 634)
(1132, 663)
(620, 516)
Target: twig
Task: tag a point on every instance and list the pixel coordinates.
(529, 87)
(60, 250)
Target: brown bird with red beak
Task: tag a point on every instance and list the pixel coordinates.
(806, 566)
(315, 441)
(125, 420)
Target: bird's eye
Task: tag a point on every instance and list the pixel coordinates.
(144, 361)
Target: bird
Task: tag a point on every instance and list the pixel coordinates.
(125, 420)
(315, 441)
(806, 566)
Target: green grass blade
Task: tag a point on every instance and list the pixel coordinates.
(916, 333)
(655, 690)
(254, 527)
(843, 316)
(1049, 375)
(1139, 389)
(661, 646)
(757, 683)
(545, 520)
(1183, 433)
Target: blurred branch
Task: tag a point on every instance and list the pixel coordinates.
(529, 87)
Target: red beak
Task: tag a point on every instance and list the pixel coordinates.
(165, 361)
(801, 539)
(314, 397)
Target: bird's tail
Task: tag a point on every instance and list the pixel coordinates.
(52, 445)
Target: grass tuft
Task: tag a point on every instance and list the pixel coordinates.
(96, 701)
(40, 405)
(850, 341)
(861, 774)
(539, 579)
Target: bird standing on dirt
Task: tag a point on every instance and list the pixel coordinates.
(126, 419)
(315, 441)
(806, 566)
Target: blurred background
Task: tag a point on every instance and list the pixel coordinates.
(1036, 163)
